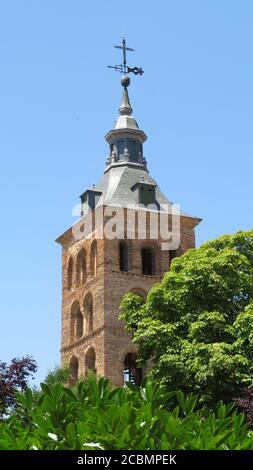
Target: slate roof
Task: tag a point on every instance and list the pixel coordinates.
(116, 186)
(120, 180)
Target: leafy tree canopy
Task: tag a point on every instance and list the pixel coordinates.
(196, 326)
(58, 375)
(13, 378)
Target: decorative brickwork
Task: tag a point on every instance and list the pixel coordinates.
(93, 286)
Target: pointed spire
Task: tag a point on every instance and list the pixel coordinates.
(125, 106)
(125, 119)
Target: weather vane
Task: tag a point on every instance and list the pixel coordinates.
(123, 68)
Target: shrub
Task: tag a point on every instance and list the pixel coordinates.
(95, 416)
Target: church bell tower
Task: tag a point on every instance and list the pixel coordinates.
(116, 247)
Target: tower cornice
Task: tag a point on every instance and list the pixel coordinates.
(128, 132)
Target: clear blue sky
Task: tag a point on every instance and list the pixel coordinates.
(58, 100)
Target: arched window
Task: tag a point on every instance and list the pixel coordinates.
(88, 313)
(79, 324)
(90, 360)
(93, 259)
(74, 309)
(123, 257)
(76, 322)
(73, 369)
(81, 270)
(70, 273)
(147, 262)
(132, 373)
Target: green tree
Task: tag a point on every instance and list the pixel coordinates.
(58, 375)
(196, 326)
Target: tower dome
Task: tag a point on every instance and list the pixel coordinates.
(125, 139)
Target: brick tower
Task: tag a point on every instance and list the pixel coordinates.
(116, 247)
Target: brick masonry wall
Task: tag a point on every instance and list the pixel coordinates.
(107, 287)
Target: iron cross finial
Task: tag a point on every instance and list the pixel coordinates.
(123, 68)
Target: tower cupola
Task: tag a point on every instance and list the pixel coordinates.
(126, 139)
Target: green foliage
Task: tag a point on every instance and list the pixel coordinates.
(59, 375)
(197, 324)
(95, 416)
